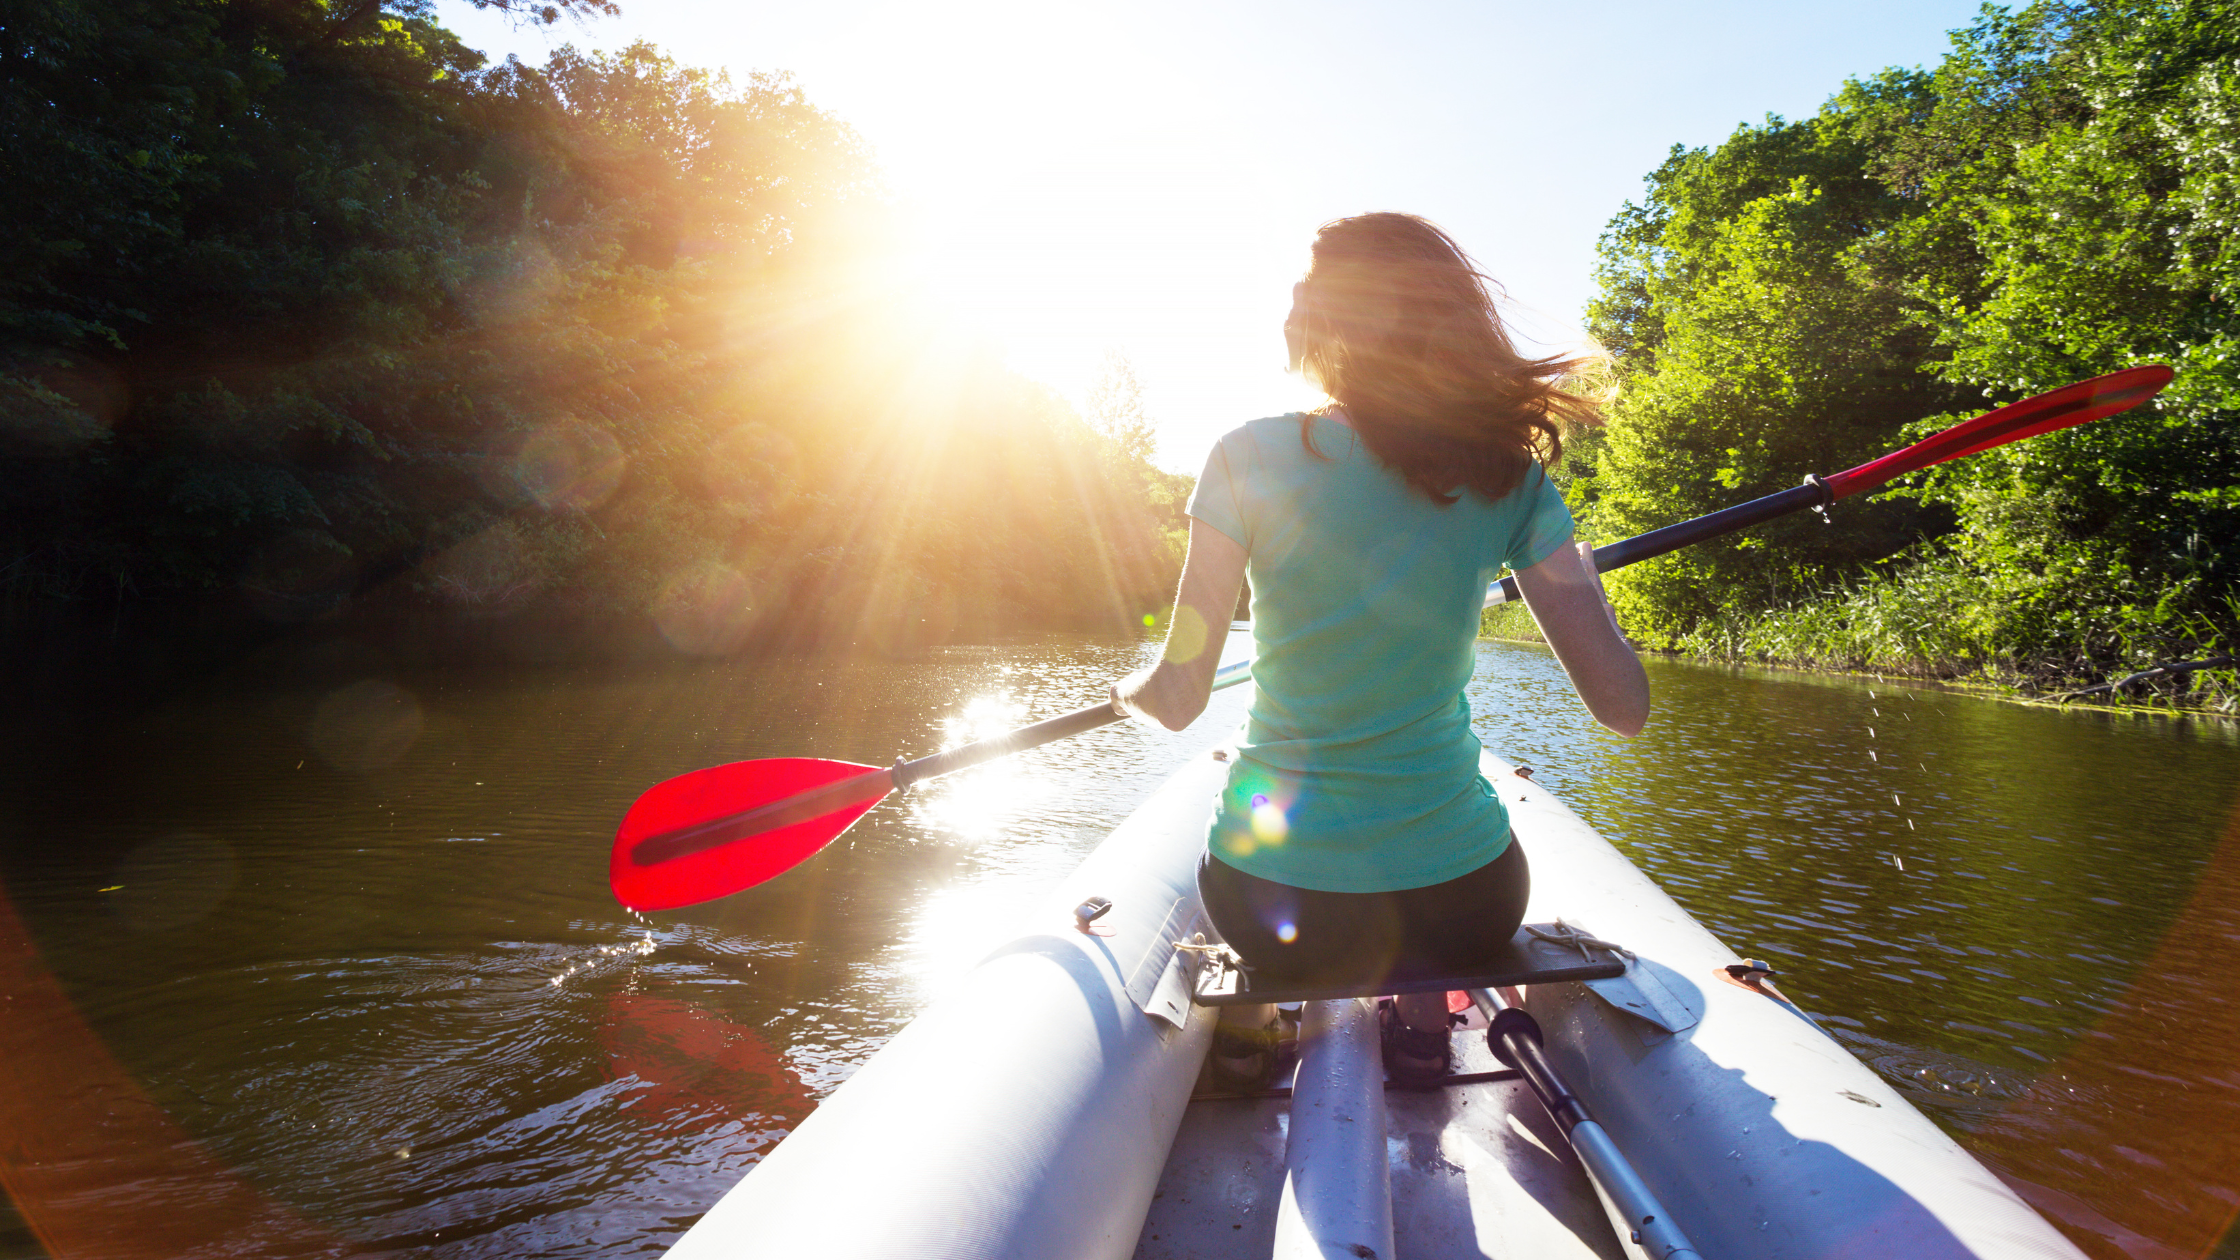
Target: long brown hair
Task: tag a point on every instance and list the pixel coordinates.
(1399, 328)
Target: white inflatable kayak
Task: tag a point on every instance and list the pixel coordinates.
(1044, 1106)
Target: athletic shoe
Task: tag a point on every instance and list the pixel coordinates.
(1413, 1058)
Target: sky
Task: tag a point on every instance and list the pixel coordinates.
(1143, 179)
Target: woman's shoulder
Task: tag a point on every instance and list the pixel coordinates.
(1259, 431)
(1262, 439)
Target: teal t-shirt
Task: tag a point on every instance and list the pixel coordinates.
(1358, 771)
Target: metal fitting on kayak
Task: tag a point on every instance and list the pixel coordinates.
(1753, 975)
(1089, 912)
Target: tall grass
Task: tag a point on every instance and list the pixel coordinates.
(2036, 633)
(1948, 620)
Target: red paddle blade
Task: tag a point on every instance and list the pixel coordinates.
(667, 854)
(2071, 405)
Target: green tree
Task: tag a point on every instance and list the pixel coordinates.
(1751, 349)
(328, 319)
(2052, 202)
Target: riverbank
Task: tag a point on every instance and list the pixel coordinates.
(2210, 691)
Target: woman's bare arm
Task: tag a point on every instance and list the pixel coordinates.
(1565, 595)
(1173, 693)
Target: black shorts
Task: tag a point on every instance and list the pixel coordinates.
(1298, 936)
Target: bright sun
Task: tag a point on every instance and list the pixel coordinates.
(1068, 200)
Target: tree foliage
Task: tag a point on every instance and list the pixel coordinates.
(306, 309)
(2054, 201)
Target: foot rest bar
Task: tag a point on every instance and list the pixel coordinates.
(1337, 1184)
(1526, 959)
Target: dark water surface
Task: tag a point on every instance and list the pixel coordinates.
(301, 967)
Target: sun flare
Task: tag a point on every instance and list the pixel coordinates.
(1067, 201)
(955, 928)
(977, 804)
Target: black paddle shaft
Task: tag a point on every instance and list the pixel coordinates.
(973, 754)
(1813, 493)
(1043, 732)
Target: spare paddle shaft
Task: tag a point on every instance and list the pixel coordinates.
(818, 802)
(1515, 1037)
(2081, 403)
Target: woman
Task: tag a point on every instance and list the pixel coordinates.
(1355, 836)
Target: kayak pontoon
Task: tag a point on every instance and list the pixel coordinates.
(1044, 1106)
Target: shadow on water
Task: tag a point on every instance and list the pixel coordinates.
(328, 910)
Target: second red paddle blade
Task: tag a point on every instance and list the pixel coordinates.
(2071, 405)
(717, 792)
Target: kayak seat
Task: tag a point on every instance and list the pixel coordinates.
(1527, 959)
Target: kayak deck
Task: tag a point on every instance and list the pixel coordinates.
(1477, 1170)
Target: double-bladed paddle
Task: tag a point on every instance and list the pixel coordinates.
(724, 829)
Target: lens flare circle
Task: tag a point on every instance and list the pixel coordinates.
(706, 609)
(569, 467)
(1186, 636)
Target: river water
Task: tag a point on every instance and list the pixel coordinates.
(320, 959)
